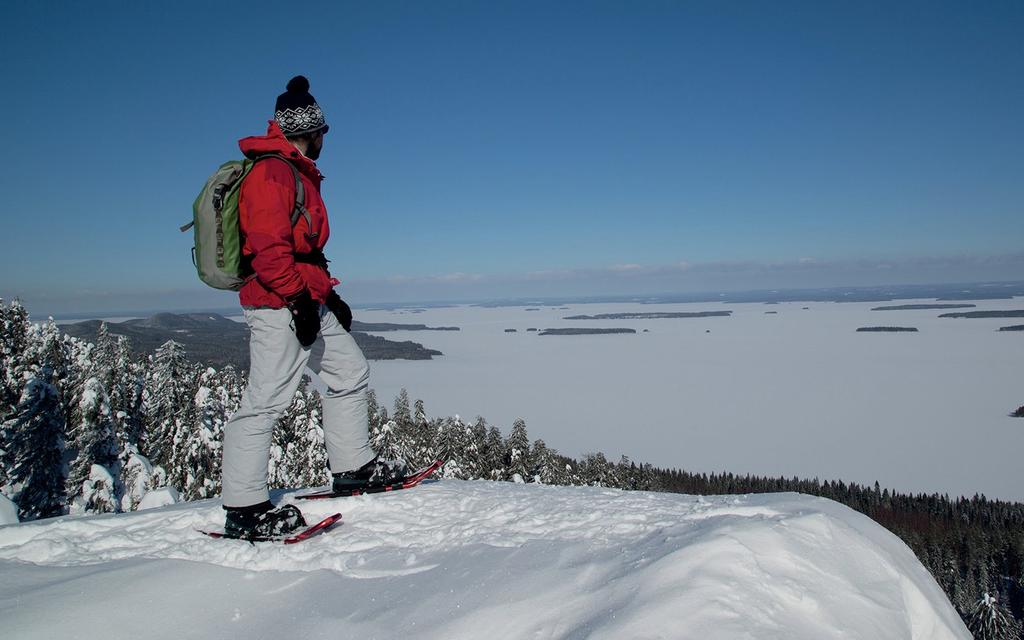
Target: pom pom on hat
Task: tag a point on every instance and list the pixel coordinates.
(298, 84)
(296, 110)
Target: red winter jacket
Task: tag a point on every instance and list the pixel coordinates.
(265, 208)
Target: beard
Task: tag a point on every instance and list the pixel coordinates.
(314, 148)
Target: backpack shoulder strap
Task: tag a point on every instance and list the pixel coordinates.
(300, 192)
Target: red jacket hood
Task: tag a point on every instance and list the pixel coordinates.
(275, 142)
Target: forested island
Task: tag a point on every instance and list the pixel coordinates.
(1013, 327)
(217, 341)
(909, 307)
(888, 329)
(652, 315)
(380, 327)
(582, 331)
(1013, 313)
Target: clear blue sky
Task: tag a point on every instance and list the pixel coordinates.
(483, 149)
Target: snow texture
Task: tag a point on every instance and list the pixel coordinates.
(8, 511)
(458, 559)
(159, 498)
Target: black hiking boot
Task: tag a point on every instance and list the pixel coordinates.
(375, 473)
(262, 521)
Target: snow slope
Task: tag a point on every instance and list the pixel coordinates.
(454, 559)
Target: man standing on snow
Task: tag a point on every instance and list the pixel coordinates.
(289, 299)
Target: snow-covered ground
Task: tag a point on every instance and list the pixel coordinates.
(453, 560)
(794, 392)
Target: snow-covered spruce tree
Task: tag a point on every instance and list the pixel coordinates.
(386, 442)
(70, 359)
(91, 484)
(419, 413)
(452, 440)
(196, 449)
(474, 462)
(494, 455)
(646, 477)
(103, 355)
(421, 441)
(596, 471)
(125, 391)
(627, 475)
(307, 459)
(518, 467)
(372, 408)
(990, 620)
(546, 468)
(14, 328)
(166, 401)
(33, 450)
(403, 414)
(286, 440)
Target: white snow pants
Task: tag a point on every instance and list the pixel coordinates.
(277, 362)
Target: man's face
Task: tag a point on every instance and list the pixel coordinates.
(316, 145)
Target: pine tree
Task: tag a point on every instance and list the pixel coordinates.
(70, 359)
(307, 460)
(475, 463)
(989, 620)
(104, 354)
(91, 485)
(402, 415)
(286, 439)
(546, 466)
(596, 471)
(420, 437)
(196, 450)
(33, 450)
(14, 329)
(372, 408)
(518, 466)
(419, 413)
(125, 390)
(167, 402)
(452, 441)
(494, 455)
(386, 442)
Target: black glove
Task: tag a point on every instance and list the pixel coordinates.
(305, 318)
(340, 309)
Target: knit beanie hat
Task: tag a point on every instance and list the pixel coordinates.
(296, 111)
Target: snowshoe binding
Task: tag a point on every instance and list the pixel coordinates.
(262, 522)
(375, 473)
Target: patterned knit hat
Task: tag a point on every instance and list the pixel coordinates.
(296, 111)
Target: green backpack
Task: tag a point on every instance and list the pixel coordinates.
(217, 254)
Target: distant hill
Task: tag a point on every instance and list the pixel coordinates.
(217, 341)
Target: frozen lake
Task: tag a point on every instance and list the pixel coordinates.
(796, 392)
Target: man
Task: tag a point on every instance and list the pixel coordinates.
(287, 301)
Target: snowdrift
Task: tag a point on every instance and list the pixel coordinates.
(454, 559)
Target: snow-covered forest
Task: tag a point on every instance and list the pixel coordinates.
(87, 428)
